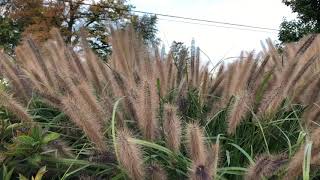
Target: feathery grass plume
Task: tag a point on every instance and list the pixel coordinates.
(204, 86)
(52, 60)
(120, 90)
(197, 152)
(221, 69)
(120, 86)
(169, 67)
(160, 69)
(200, 172)
(61, 148)
(118, 56)
(74, 107)
(258, 73)
(14, 107)
(80, 65)
(306, 44)
(244, 73)
(90, 99)
(252, 66)
(265, 166)
(51, 63)
(33, 66)
(271, 102)
(275, 56)
(232, 73)
(295, 165)
(172, 128)
(182, 100)
(196, 147)
(239, 110)
(10, 71)
(148, 66)
(229, 88)
(52, 56)
(274, 95)
(311, 116)
(106, 74)
(34, 71)
(299, 74)
(40, 61)
(147, 111)
(192, 66)
(130, 156)
(24, 57)
(65, 69)
(285, 82)
(107, 105)
(217, 82)
(250, 76)
(213, 160)
(310, 92)
(197, 66)
(304, 89)
(93, 69)
(125, 40)
(156, 172)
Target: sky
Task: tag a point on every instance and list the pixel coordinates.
(217, 42)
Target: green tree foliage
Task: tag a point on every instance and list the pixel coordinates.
(9, 34)
(180, 54)
(37, 17)
(146, 27)
(308, 20)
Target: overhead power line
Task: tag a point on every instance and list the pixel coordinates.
(205, 20)
(230, 25)
(219, 26)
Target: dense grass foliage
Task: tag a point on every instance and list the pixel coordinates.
(69, 115)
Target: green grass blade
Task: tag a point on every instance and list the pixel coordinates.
(306, 160)
(152, 145)
(243, 152)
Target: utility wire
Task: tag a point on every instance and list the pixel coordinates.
(213, 25)
(232, 25)
(205, 20)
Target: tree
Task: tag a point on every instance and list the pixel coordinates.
(180, 55)
(9, 34)
(37, 17)
(308, 20)
(146, 27)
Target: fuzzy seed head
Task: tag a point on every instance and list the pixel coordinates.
(130, 156)
(172, 128)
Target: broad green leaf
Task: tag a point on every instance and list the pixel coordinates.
(50, 137)
(40, 173)
(21, 177)
(25, 140)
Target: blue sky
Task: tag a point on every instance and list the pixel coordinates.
(217, 42)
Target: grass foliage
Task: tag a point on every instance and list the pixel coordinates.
(69, 115)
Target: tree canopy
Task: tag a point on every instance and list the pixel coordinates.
(37, 17)
(308, 20)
